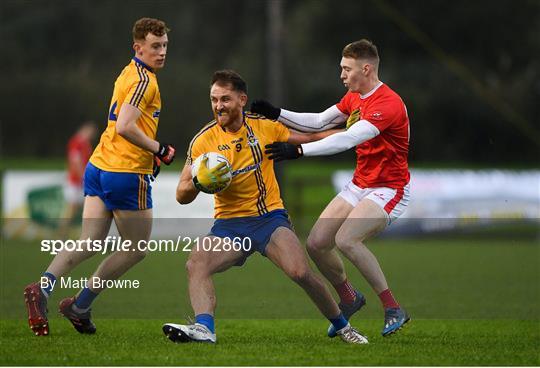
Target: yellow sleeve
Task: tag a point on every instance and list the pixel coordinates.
(196, 148)
(140, 89)
(281, 132)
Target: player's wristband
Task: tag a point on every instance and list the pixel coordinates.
(197, 184)
(166, 153)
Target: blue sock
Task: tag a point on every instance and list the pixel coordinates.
(85, 298)
(47, 290)
(339, 322)
(207, 320)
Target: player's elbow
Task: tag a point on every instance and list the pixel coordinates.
(321, 123)
(121, 129)
(183, 200)
(183, 196)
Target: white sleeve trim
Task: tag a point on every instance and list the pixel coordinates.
(358, 133)
(313, 122)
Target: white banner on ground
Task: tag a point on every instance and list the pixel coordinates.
(447, 198)
(440, 199)
(37, 197)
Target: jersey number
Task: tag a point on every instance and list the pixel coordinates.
(112, 115)
(238, 147)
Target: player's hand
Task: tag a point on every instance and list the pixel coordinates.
(166, 153)
(263, 107)
(208, 178)
(156, 169)
(280, 151)
(353, 118)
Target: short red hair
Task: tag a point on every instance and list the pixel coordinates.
(148, 25)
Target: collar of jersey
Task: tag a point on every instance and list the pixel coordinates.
(372, 91)
(138, 61)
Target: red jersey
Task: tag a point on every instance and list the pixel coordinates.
(382, 160)
(79, 151)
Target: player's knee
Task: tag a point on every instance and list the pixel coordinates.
(346, 243)
(317, 243)
(138, 255)
(191, 266)
(195, 265)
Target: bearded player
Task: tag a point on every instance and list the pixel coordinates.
(249, 208)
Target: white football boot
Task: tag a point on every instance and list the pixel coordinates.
(187, 333)
(351, 336)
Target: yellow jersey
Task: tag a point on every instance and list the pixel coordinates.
(254, 189)
(136, 85)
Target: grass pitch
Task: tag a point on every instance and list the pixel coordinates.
(276, 342)
(472, 302)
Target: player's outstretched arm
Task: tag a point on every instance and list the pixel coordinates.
(186, 191)
(301, 121)
(339, 142)
(300, 138)
(357, 134)
(126, 127)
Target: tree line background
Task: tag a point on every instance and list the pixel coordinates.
(469, 72)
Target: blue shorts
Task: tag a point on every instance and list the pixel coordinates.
(119, 191)
(258, 228)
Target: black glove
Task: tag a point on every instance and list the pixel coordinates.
(166, 153)
(156, 169)
(263, 107)
(280, 151)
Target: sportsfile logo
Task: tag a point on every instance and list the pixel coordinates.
(119, 244)
(111, 243)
